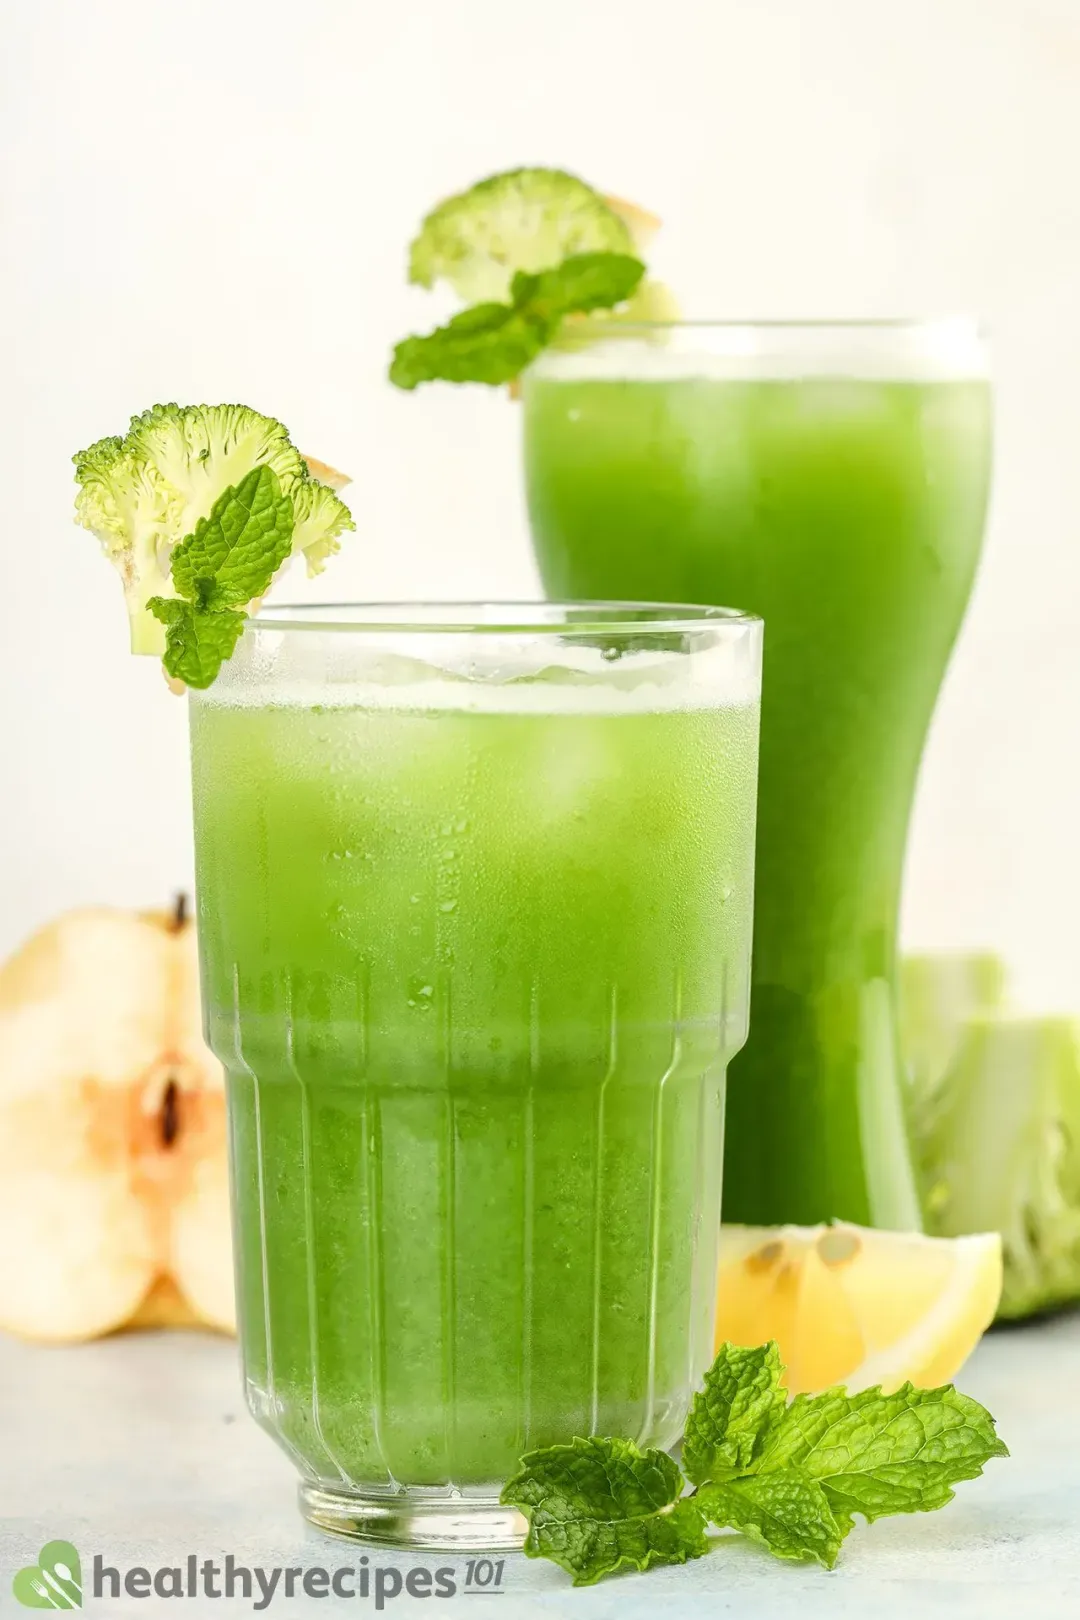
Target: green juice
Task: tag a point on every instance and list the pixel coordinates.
(848, 512)
(475, 973)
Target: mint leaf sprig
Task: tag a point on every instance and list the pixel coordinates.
(789, 1475)
(596, 1504)
(218, 570)
(494, 342)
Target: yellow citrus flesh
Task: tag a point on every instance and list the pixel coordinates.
(852, 1306)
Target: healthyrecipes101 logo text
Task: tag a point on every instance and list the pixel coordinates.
(56, 1580)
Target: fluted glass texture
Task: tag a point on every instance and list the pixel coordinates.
(474, 910)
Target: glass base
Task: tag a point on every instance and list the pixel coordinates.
(442, 1522)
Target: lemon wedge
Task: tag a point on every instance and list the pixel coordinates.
(848, 1305)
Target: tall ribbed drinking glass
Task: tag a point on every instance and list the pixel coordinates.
(832, 478)
(474, 899)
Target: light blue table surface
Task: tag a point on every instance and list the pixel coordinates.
(138, 1448)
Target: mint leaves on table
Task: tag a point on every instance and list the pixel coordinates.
(219, 569)
(784, 1512)
(790, 1475)
(494, 342)
(742, 1399)
(877, 1454)
(596, 1504)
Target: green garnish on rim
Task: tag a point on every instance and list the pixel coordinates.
(526, 219)
(226, 563)
(197, 507)
(527, 248)
(493, 343)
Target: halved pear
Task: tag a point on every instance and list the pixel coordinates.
(112, 1132)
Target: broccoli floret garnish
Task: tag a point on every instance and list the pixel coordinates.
(143, 494)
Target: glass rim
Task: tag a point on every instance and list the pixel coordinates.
(493, 618)
(937, 347)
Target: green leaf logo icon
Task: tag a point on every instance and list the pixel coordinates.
(54, 1582)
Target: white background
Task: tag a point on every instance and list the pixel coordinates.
(211, 200)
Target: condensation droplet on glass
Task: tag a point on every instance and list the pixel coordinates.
(610, 653)
(448, 905)
(420, 994)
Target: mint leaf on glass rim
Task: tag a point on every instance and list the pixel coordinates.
(785, 1512)
(488, 343)
(742, 1397)
(198, 640)
(235, 552)
(493, 343)
(595, 1505)
(584, 282)
(227, 562)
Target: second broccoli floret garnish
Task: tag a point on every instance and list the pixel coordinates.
(530, 249)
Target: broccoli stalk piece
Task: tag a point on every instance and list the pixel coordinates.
(131, 510)
(143, 494)
(939, 992)
(999, 1141)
